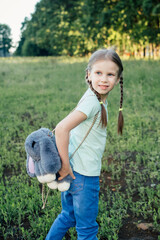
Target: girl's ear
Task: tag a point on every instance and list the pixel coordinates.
(89, 76)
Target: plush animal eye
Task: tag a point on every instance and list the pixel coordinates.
(33, 143)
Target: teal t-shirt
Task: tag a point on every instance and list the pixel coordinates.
(87, 159)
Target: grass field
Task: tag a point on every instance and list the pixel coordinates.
(39, 92)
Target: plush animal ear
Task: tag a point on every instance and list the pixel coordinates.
(30, 166)
(50, 159)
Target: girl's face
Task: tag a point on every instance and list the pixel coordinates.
(104, 76)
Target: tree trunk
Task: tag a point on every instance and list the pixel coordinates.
(144, 52)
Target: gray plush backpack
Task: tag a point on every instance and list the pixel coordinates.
(43, 160)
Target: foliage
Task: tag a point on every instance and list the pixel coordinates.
(5, 40)
(39, 92)
(78, 27)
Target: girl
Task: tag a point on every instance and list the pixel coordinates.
(80, 202)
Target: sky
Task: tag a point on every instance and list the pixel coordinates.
(13, 12)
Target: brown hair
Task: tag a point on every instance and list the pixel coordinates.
(105, 54)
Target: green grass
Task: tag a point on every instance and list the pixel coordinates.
(39, 92)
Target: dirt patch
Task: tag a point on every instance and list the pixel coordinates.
(129, 230)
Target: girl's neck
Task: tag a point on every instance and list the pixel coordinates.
(104, 98)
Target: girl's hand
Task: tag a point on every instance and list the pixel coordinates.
(64, 171)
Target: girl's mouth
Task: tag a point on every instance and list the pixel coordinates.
(103, 87)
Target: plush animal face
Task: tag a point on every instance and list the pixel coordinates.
(42, 153)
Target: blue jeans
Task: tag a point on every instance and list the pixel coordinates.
(79, 208)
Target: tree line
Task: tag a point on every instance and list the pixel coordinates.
(78, 27)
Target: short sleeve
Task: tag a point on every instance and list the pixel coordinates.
(89, 105)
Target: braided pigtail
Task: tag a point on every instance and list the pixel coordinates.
(120, 117)
(103, 120)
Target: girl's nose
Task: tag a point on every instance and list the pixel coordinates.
(104, 79)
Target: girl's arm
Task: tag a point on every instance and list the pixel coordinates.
(62, 132)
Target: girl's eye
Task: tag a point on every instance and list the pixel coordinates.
(110, 75)
(98, 73)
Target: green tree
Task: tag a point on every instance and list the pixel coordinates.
(151, 11)
(77, 27)
(5, 40)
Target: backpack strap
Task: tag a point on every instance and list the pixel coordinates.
(94, 120)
